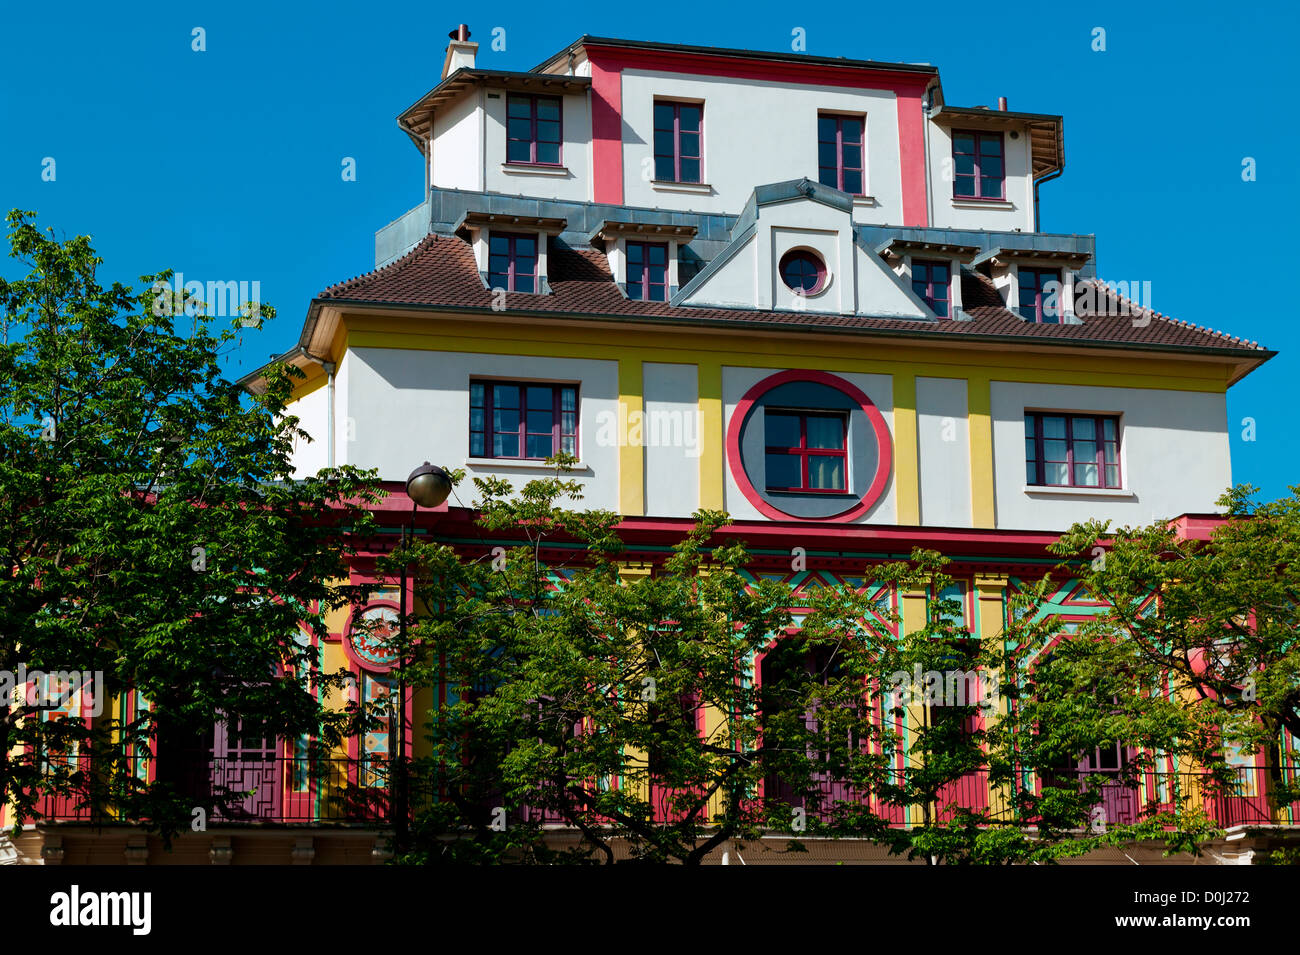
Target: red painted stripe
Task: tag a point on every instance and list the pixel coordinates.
(606, 128)
(607, 97)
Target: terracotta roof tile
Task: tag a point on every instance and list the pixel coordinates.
(441, 271)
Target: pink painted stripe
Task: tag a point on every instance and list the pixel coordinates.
(606, 128)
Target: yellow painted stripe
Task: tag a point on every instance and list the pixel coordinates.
(847, 357)
(711, 438)
(907, 474)
(978, 411)
(631, 454)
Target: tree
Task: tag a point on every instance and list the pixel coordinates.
(150, 531)
(1222, 640)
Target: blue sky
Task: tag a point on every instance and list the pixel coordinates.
(226, 164)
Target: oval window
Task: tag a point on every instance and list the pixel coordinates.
(802, 271)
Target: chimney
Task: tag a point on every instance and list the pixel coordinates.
(1002, 103)
(460, 51)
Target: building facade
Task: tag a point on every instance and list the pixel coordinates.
(807, 291)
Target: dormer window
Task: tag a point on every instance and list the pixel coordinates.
(803, 272)
(512, 262)
(839, 152)
(1040, 294)
(533, 129)
(978, 168)
(647, 271)
(932, 281)
(677, 129)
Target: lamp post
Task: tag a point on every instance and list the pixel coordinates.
(427, 486)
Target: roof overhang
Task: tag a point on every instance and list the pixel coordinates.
(609, 229)
(1046, 132)
(898, 247)
(480, 220)
(1002, 255)
(417, 119)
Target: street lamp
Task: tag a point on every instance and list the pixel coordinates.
(428, 486)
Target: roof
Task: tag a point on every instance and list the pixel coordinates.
(440, 272)
(417, 119)
(779, 56)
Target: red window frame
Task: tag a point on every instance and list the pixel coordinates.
(485, 400)
(833, 176)
(925, 286)
(1041, 276)
(1036, 461)
(803, 452)
(807, 257)
(982, 160)
(646, 289)
(512, 274)
(678, 154)
(533, 100)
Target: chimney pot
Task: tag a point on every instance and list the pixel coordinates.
(461, 33)
(1002, 103)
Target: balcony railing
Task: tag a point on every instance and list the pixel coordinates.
(288, 790)
(231, 790)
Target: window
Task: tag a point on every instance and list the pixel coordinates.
(512, 262)
(647, 271)
(677, 141)
(533, 129)
(806, 451)
(802, 271)
(978, 171)
(839, 152)
(930, 283)
(1039, 299)
(1071, 450)
(522, 419)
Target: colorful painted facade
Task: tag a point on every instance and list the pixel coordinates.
(806, 291)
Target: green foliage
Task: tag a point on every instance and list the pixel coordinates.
(151, 529)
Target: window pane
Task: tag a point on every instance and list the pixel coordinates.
(548, 132)
(1030, 449)
(524, 283)
(1112, 475)
(782, 430)
(824, 432)
(1108, 428)
(476, 419)
(1085, 450)
(853, 156)
(525, 247)
(658, 254)
(852, 130)
(1031, 473)
(1112, 452)
(1030, 422)
(690, 144)
(663, 116)
(540, 421)
(540, 397)
(783, 470)
(1085, 475)
(476, 395)
(548, 153)
(664, 170)
(568, 399)
(635, 252)
(689, 118)
(852, 181)
(1085, 429)
(991, 166)
(1053, 426)
(519, 151)
(963, 186)
(520, 129)
(1054, 449)
(568, 422)
(548, 109)
(690, 170)
(505, 445)
(963, 143)
(965, 165)
(505, 396)
(540, 446)
(569, 444)
(1057, 473)
(826, 472)
(991, 188)
(476, 445)
(826, 129)
(505, 420)
(519, 106)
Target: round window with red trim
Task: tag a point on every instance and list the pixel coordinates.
(803, 271)
(810, 446)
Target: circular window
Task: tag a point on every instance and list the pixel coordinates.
(802, 271)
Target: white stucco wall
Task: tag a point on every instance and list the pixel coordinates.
(737, 381)
(1017, 212)
(458, 144)
(412, 406)
(573, 182)
(943, 448)
(312, 412)
(1173, 454)
(756, 132)
(672, 439)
